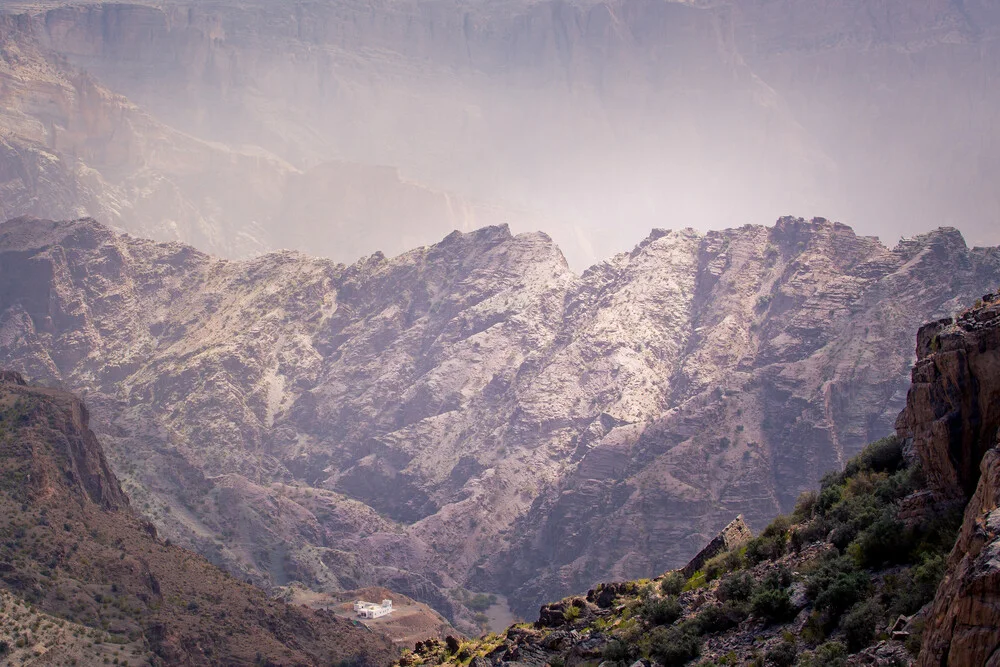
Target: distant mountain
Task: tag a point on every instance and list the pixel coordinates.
(74, 550)
(69, 147)
(602, 119)
(474, 414)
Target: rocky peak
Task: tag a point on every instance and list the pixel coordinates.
(74, 460)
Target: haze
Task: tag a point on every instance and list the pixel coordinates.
(342, 128)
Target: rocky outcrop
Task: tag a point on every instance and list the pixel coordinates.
(473, 413)
(953, 406)
(953, 416)
(963, 619)
(80, 460)
(733, 536)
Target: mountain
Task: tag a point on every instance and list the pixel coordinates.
(70, 146)
(74, 551)
(643, 113)
(858, 574)
(473, 414)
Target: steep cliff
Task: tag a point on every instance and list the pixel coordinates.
(73, 549)
(952, 417)
(473, 413)
(69, 146)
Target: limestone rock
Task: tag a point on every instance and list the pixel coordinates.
(734, 535)
(953, 407)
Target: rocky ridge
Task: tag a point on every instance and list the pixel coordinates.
(85, 580)
(474, 414)
(546, 110)
(70, 146)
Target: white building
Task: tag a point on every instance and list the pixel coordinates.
(372, 610)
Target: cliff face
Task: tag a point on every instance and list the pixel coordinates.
(559, 107)
(473, 412)
(953, 407)
(72, 545)
(953, 416)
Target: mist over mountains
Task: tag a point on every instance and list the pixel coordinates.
(594, 121)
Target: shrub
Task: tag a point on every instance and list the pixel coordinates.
(616, 651)
(885, 455)
(661, 611)
(739, 587)
(765, 547)
(830, 654)
(717, 618)
(782, 655)
(672, 584)
(719, 565)
(836, 586)
(672, 647)
(778, 527)
(885, 541)
(861, 624)
(804, 506)
(771, 604)
(778, 578)
(828, 497)
(571, 613)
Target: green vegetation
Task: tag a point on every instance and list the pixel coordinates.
(661, 611)
(842, 559)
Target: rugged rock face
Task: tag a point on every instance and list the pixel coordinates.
(953, 408)
(69, 146)
(953, 416)
(73, 548)
(473, 413)
(962, 621)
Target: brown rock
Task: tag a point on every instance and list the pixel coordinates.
(965, 615)
(953, 406)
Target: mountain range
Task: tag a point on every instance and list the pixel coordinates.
(473, 414)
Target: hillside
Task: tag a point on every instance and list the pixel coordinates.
(474, 415)
(865, 571)
(85, 581)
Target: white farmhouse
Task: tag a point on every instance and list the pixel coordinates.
(372, 610)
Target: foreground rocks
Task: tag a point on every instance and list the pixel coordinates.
(953, 416)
